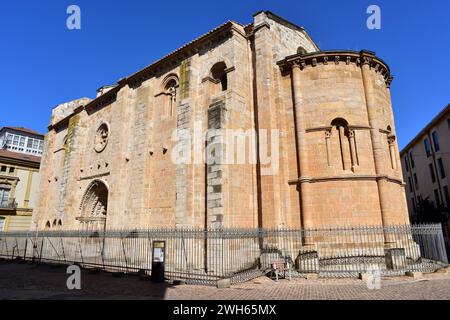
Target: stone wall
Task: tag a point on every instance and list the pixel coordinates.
(326, 128)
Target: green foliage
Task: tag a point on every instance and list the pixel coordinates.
(428, 212)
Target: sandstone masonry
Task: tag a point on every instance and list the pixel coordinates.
(108, 162)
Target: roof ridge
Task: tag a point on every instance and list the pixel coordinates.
(186, 45)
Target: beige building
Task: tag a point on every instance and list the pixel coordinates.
(426, 164)
(323, 152)
(19, 176)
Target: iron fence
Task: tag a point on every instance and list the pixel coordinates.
(206, 256)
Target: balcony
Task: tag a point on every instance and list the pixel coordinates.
(8, 204)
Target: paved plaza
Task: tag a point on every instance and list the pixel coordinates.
(25, 281)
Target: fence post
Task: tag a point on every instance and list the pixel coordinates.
(25, 250)
(124, 251)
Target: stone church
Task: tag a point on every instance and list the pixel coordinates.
(324, 119)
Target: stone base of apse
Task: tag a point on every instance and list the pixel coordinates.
(351, 257)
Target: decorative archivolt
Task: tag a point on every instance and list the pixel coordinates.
(95, 201)
(170, 87)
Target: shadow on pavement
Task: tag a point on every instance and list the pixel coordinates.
(26, 281)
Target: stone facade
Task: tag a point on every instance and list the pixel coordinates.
(323, 119)
(426, 172)
(426, 167)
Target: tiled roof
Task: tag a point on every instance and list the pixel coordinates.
(24, 130)
(224, 25)
(19, 156)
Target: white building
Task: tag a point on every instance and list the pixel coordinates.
(21, 140)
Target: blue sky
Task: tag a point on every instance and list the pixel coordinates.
(43, 63)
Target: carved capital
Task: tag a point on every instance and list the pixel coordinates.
(351, 133)
(337, 59)
(391, 139)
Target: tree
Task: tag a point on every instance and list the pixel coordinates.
(428, 212)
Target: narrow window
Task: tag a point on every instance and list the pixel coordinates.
(433, 176)
(9, 138)
(413, 201)
(16, 140)
(218, 73)
(427, 147)
(416, 182)
(406, 163)
(413, 164)
(4, 197)
(441, 168)
(437, 147)
(410, 185)
(448, 123)
(171, 92)
(447, 196)
(436, 197)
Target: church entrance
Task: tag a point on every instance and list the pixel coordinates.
(94, 207)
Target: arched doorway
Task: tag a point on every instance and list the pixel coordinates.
(94, 207)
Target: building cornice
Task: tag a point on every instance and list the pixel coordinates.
(174, 58)
(169, 61)
(360, 58)
(22, 163)
(443, 114)
(347, 178)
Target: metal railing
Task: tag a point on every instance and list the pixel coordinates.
(205, 256)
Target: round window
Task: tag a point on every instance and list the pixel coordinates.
(101, 138)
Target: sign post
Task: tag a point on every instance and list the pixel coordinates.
(158, 261)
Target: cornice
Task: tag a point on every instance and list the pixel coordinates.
(337, 57)
(347, 178)
(18, 162)
(103, 100)
(259, 27)
(173, 59)
(170, 61)
(328, 128)
(417, 139)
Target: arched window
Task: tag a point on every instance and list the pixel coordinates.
(391, 138)
(219, 74)
(47, 225)
(170, 90)
(347, 144)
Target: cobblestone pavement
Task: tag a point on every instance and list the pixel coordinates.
(24, 281)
